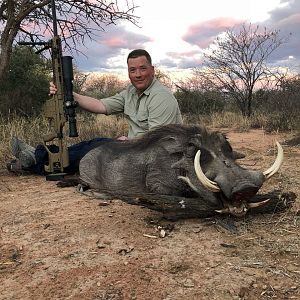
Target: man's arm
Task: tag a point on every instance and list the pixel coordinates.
(85, 102)
(90, 104)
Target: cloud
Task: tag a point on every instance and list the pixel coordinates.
(198, 36)
(202, 34)
(108, 50)
(287, 19)
(185, 60)
(167, 63)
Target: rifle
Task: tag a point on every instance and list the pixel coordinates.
(60, 108)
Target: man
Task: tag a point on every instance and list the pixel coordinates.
(146, 104)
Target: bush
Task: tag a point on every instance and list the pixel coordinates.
(200, 102)
(281, 107)
(25, 88)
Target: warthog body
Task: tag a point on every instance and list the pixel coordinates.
(162, 163)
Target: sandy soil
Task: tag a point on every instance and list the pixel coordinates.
(58, 244)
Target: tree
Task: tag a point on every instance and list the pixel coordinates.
(30, 20)
(25, 87)
(283, 105)
(163, 77)
(237, 63)
(104, 85)
(196, 97)
(80, 79)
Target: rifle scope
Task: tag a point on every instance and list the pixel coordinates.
(69, 102)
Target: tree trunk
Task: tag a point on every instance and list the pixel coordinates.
(8, 34)
(249, 105)
(4, 61)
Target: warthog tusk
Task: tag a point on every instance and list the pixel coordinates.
(233, 210)
(278, 162)
(223, 211)
(257, 204)
(209, 184)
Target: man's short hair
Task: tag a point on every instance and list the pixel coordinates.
(139, 52)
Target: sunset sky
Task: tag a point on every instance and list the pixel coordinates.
(175, 32)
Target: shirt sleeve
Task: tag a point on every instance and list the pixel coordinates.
(163, 110)
(114, 104)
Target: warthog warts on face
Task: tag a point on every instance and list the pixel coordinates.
(177, 160)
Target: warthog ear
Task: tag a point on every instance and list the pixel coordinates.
(196, 140)
(238, 155)
(194, 145)
(171, 144)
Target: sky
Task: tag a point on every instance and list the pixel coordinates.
(175, 32)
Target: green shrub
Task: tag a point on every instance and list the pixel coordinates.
(200, 102)
(25, 88)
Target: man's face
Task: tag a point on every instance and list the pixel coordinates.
(140, 73)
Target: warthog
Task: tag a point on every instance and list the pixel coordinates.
(179, 161)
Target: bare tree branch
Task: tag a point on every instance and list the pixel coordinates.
(30, 20)
(237, 62)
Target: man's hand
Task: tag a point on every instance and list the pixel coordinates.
(52, 89)
(87, 103)
(122, 138)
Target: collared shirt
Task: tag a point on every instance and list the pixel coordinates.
(156, 106)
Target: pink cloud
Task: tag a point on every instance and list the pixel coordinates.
(202, 34)
(114, 41)
(118, 37)
(187, 54)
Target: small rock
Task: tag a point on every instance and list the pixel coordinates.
(189, 283)
(162, 233)
(197, 230)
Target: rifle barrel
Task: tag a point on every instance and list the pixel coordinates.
(54, 19)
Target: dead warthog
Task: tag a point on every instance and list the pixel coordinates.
(179, 163)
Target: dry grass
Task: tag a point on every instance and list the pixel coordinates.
(105, 126)
(228, 120)
(32, 131)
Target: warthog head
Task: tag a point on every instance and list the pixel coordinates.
(217, 171)
(183, 161)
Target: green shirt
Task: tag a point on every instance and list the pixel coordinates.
(155, 107)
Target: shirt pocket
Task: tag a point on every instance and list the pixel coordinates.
(142, 118)
(129, 112)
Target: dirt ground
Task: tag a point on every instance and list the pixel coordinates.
(58, 244)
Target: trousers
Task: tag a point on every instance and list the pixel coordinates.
(76, 153)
